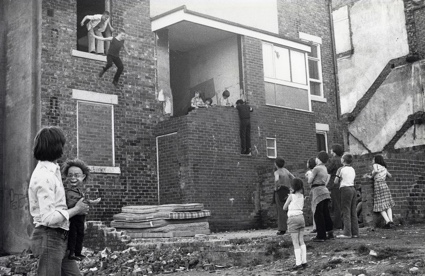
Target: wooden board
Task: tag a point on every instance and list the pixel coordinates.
(139, 225)
(168, 234)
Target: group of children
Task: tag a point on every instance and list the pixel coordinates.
(289, 198)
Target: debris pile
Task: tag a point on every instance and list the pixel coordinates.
(163, 221)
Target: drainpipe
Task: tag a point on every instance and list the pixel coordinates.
(331, 25)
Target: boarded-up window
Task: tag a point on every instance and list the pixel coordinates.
(95, 133)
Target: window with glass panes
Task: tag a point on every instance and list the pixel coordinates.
(271, 147)
(322, 143)
(315, 71)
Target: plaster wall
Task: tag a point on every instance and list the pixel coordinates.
(21, 121)
(219, 62)
(399, 96)
(415, 136)
(378, 34)
(238, 11)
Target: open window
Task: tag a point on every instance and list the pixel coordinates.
(322, 137)
(84, 8)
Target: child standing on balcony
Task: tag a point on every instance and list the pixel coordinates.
(76, 172)
(296, 224)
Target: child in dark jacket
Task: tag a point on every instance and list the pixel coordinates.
(244, 126)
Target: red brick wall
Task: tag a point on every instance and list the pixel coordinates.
(213, 172)
(135, 114)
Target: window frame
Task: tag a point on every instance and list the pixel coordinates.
(271, 148)
(100, 99)
(316, 41)
(276, 81)
(324, 130)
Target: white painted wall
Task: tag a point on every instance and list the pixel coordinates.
(261, 14)
(378, 35)
(398, 97)
(219, 61)
(410, 139)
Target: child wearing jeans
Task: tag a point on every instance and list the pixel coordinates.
(296, 224)
(76, 172)
(345, 178)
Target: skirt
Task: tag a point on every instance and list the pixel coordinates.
(382, 199)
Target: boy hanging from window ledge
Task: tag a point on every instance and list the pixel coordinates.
(245, 126)
(117, 43)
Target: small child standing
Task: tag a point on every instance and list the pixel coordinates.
(382, 199)
(245, 126)
(282, 185)
(76, 172)
(345, 178)
(296, 224)
(311, 163)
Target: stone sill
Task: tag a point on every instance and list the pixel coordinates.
(76, 53)
(318, 99)
(105, 170)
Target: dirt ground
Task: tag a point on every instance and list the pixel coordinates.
(398, 251)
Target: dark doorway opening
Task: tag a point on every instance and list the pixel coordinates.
(84, 8)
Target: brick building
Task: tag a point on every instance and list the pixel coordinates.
(142, 146)
(380, 56)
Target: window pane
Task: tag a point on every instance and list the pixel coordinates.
(282, 64)
(315, 89)
(270, 93)
(298, 70)
(271, 153)
(321, 141)
(292, 97)
(271, 143)
(313, 52)
(268, 60)
(313, 69)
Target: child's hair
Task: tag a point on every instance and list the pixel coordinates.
(209, 100)
(337, 149)
(311, 163)
(239, 101)
(348, 158)
(297, 185)
(280, 162)
(323, 156)
(226, 93)
(76, 163)
(48, 144)
(379, 159)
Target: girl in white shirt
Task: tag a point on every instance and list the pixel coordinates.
(296, 224)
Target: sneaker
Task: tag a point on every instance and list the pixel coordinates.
(72, 256)
(101, 73)
(355, 236)
(313, 231)
(343, 237)
(304, 265)
(280, 233)
(316, 239)
(80, 256)
(330, 236)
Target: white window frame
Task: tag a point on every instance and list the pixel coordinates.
(323, 129)
(271, 148)
(316, 42)
(101, 99)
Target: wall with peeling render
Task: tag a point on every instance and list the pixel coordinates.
(378, 34)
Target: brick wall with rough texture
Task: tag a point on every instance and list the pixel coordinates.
(212, 171)
(135, 114)
(98, 236)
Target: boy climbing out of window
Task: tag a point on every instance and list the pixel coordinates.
(244, 126)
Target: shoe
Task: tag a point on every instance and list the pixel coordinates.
(280, 233)
(297, 267)
(355, 236)
(313, 231)
(72, 256)
(316, 239)
(115, 83)
(80, 256)
(101, 73)
(391, 224)
(330, 235)
(387, 226)
(304, 265)
(343, 237)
